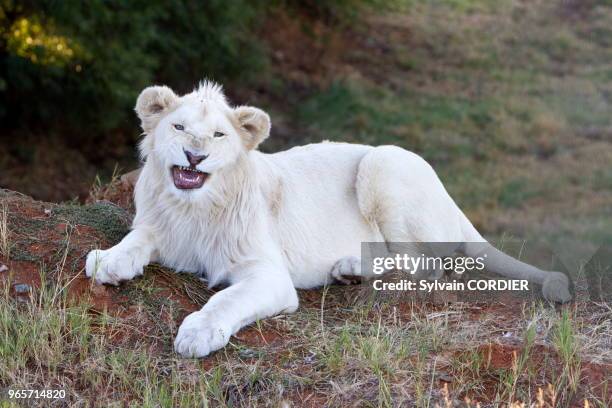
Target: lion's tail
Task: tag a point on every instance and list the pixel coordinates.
(555, 285)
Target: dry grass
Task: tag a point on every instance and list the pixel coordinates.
(98, 188)
(351, 355)
(5, 246)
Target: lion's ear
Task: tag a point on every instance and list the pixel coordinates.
(254, 125)
(152, 104)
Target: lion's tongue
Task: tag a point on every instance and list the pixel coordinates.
(185, 179)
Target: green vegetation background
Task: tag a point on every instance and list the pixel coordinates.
(70, 65)
(510, 101)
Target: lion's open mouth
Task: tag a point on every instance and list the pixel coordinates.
(188, 178)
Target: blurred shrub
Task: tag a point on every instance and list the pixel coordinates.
(74, 68)
(77, 67)
(337, 11)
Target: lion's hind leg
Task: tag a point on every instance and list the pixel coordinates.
(400, 194)
(347, 270)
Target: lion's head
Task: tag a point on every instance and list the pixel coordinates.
(194, 137)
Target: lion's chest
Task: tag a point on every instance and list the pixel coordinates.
(196, 245)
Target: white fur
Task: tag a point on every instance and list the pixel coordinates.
(267, 223)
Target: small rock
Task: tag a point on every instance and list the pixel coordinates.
(309, 359)
(247, 353)
(3, 268)
(445, 377)
(22, 288)
(99, 290)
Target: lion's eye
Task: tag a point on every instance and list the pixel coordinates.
(179, 127)
(219, 134)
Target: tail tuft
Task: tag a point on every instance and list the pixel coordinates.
(556, 288)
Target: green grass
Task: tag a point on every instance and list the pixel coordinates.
(567, 346)
(515, 192)
(500, 97)
(368, 114)
(353, 353)
(510, 388)
(111, 220)
(50, 341)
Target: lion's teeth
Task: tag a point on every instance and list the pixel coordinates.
(186, 168)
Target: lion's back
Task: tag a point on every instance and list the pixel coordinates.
(316, 208)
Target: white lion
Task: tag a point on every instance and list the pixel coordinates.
(208, 202)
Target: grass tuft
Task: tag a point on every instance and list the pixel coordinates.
(567, 345)
(5, 246)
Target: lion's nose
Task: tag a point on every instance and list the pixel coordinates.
(194, 159)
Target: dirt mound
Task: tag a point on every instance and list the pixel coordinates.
(119, 191)
(482, 352)
(48, 242)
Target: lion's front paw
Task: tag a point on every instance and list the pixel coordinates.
(199, 335)
(112, 266)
